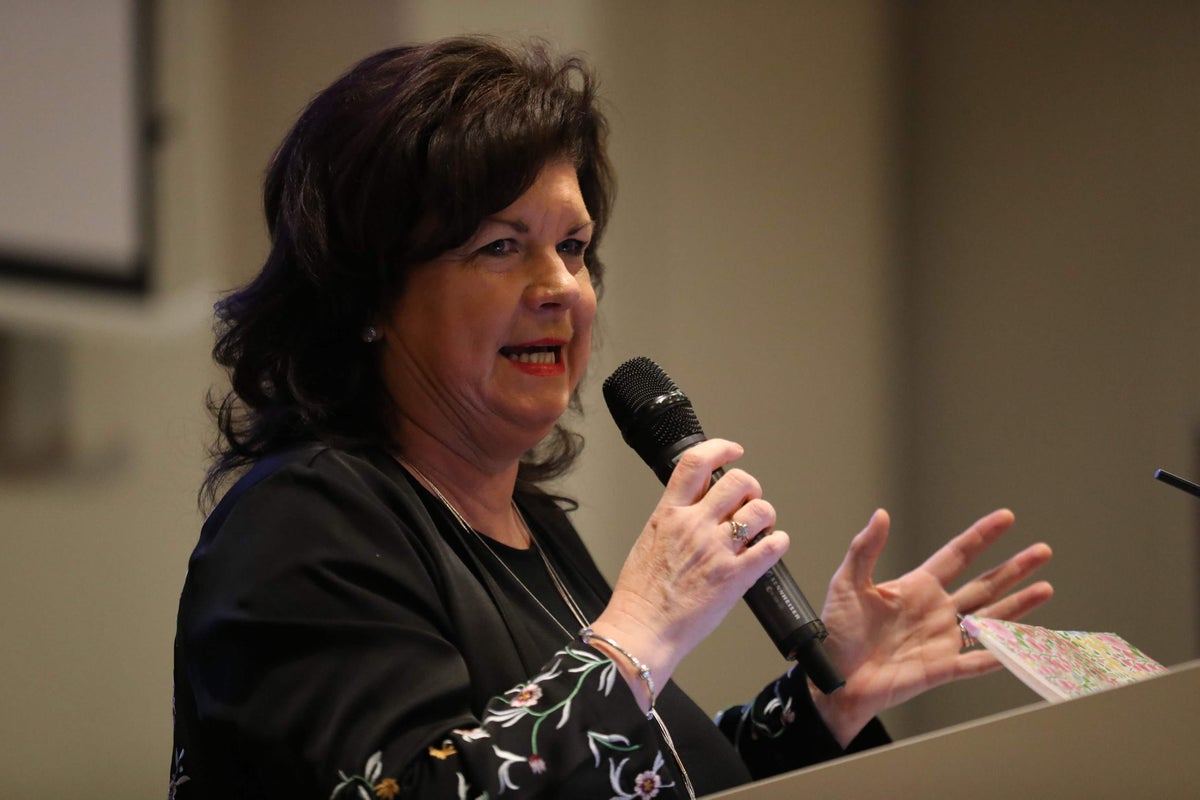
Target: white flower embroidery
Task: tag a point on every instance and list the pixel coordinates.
(528, 695)
(589, 661)
(177, 777)
(374, 766)
(471, 734)
(505, 773)
(463, 788)
(645, 786)
(614, 741)
(552, 672)
(370, 776)
(507, 717)
(524, 696)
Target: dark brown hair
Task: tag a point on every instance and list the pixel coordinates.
(396, 162)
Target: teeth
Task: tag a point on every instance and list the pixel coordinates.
(540, 357)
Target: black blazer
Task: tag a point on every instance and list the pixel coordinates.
(339, 636)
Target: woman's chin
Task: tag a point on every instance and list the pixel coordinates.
(541, 421)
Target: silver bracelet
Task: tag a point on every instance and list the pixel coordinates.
(643, 672)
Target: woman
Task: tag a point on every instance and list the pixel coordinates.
(385, 603)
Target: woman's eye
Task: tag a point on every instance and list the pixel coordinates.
(500, 247)
(572, 247)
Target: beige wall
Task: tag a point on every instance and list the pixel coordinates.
(939, 261)
(1055, 273)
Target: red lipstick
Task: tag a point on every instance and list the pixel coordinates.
(540, 357)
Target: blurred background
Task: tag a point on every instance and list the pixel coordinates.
(933, 256)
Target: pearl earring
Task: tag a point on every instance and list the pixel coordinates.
(370, 334)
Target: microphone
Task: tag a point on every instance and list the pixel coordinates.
(656, 419)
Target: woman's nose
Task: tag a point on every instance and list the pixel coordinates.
(552, 284)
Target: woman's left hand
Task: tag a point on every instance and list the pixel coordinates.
(895, 640)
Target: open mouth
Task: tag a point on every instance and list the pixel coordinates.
(533, 354)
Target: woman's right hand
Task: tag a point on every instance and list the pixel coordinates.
(686, 572)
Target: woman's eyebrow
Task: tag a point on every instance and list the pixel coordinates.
(520, 227)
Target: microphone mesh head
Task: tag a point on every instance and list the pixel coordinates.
(630, 392)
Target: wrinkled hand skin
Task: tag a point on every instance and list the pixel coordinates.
(895, 640)
(685, 573)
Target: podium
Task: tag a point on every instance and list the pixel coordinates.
(1139, 740)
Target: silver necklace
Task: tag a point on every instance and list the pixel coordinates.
(554, 578)
(561, 587)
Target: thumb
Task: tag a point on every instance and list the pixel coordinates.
(859, 564)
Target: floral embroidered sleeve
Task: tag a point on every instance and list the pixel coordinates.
(780, 730)
(563, 733)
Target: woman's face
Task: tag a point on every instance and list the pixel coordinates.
(489, 340)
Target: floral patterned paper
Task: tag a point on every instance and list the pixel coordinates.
(1060, 665)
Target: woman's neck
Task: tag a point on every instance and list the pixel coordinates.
(481, 494)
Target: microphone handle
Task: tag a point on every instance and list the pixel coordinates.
(793, 626)
(779, 605)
